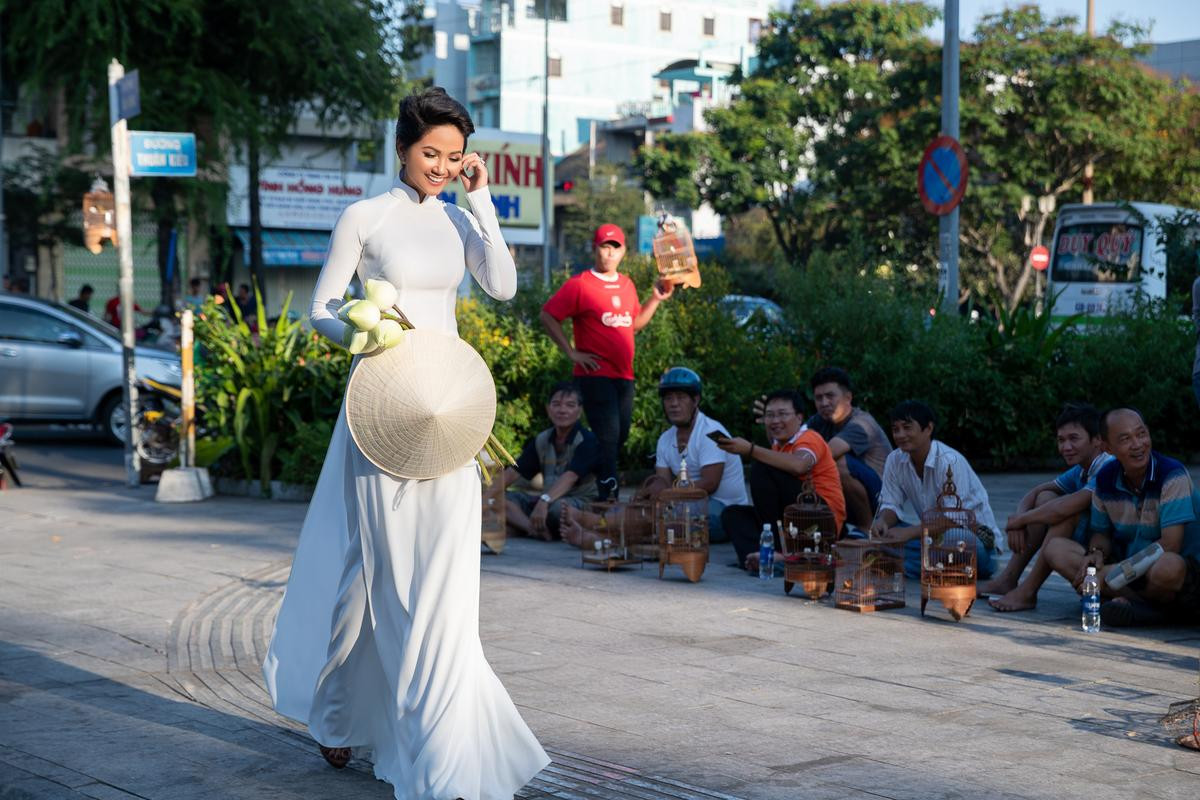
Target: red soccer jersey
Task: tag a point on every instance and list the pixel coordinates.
(603, 313)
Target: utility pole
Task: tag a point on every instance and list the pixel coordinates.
(120, 157)
(547, 189)
(948, 223)
(3, 221)
(1089, 167)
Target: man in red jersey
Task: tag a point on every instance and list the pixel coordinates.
(605, 312)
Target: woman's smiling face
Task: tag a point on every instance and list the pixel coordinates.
(434, 160)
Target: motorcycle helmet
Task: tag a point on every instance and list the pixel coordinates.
(680, 379)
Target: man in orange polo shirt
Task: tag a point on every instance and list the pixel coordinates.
(777, 474)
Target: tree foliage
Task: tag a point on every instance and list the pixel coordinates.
(829, 128)
(238, 73)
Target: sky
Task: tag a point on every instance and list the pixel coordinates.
(1173, 20)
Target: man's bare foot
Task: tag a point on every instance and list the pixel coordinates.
(1015, 600)
(996, 585)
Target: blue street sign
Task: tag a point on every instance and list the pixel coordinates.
(164, 155)
(129, 96)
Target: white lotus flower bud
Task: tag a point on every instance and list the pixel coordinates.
(364, 316)
(380, 293)
(357, 341)
(387, 333)
(344, 311)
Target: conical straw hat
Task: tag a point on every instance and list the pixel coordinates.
(422, 408)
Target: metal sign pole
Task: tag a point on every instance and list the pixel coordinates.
(188, 414)
(120, 157)
(547, 189)
(948, 223)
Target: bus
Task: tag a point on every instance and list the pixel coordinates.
(1105, 254)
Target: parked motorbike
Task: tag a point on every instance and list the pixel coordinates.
(8, 457)
(156, 428)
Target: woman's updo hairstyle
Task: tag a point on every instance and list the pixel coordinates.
(427, 109)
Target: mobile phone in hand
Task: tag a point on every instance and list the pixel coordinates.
(716, 436)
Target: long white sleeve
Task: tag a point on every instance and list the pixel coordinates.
(487, 255)
(345, 252)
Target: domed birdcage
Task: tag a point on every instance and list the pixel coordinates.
(948, 557)
(681, 520)
(675, 254)
(806, 540)
(620, 530)
(867, 577)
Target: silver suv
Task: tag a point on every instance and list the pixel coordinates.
(58, 364)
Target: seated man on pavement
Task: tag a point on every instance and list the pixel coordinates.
(716, 472)
(777, 474)
(1141, 497)
(914, 474)
(567, 455)
(1061, 507)
(858, 444)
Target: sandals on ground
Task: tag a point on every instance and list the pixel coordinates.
(338, 757)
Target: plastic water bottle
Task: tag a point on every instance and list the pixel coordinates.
(1091, 602)
(766, 554)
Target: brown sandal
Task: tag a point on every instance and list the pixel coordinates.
(338, 757)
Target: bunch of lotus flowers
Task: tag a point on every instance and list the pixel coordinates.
(376, 323)
(373, 322)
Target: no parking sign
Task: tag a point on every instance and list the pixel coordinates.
(942, 176)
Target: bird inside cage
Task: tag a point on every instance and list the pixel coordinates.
(948, 556)
(867, 576)
(681, 522)
(806, 536)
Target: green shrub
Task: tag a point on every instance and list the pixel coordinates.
(302, 458)
(997, 384)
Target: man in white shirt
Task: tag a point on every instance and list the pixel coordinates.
(708, 466)
(915, 473)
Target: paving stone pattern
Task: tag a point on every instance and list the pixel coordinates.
(131, 636)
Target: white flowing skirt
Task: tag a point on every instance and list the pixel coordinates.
(377, 641)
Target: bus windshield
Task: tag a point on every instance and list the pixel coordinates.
(1098, 252)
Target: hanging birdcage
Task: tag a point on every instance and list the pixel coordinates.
(675, 254)
(681, 520)
(867, 576)
(494, 531)
(948, 557)
(806, 540)
(99, 216)
(618, 530)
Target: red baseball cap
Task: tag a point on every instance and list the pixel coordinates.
(608, 233)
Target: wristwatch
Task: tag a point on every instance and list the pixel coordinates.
(545, 498)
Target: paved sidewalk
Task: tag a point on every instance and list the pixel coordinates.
(131, 633)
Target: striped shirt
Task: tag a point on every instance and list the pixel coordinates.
(1135, 519)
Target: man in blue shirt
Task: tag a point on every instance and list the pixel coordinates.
(1061, 507)
(1141, 498)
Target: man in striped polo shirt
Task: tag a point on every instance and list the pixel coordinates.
(1140, 498)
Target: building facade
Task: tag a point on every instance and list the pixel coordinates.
(605, 57)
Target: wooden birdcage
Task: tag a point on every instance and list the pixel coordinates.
(99, 216)
(681, 523)
(806, 539)
(675, 254)
(494, 530)
(867, 577)
(620, 529)
(948, 557)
